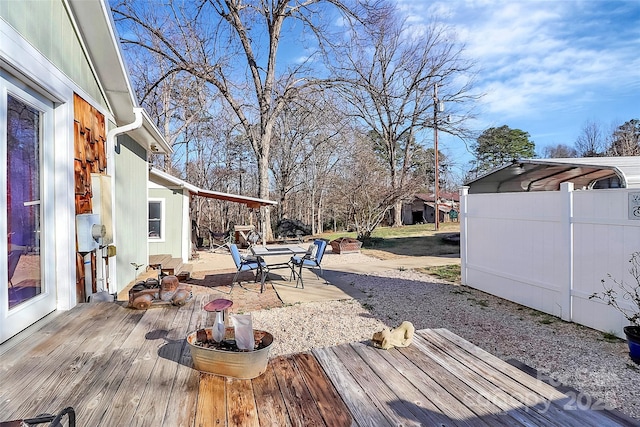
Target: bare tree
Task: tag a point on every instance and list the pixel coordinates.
(233, 46)
(307, 136)
(175, 103)
(559, 151)
(625, 139)
(389, 74)
(591, 141)
(363, 190)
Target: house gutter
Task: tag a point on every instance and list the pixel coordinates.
(111, 135)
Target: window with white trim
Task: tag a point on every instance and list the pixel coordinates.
(156, 219)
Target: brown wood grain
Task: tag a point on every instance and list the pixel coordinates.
(211, 407)
(101, 130)
(269, 402)
(241, 407)
(78, 152)
(363, 410)
(299, 402)
(102, 158)
(78, 177)
(90, 157)
(329, 403)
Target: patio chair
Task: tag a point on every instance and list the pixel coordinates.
(220, 241)
(311, 259)
(244, 264)
(51, 420)
(253, 238)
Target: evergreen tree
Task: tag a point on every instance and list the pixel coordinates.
(498, 146)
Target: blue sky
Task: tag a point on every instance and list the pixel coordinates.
(545, 67)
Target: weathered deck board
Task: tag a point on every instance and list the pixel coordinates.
(117, 366)
(298, 401)
(392, 407)
(330, 405)
(442, 379)
(269, 401)
(39, 367)
(446, 404)
(241, 410)
(478, 380)
(530, 390)
(480, 406)
(212, 403)
(513, 396)
(423, 408)
(364, 411)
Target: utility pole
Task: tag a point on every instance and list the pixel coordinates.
(437, 107)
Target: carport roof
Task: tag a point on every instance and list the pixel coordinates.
(547, 174)
(251, 202)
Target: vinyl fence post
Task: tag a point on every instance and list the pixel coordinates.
(566, 278)
(462, 217)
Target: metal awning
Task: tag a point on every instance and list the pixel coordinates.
(547, 174)
(251, 202)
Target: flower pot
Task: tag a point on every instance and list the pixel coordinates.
(633, 339)
(344, 245)
(234, 364)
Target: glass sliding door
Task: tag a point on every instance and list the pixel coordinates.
(26, 251)
(23, 202)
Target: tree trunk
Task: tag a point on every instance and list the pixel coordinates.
(263, 184)
(319, 227)
(397, 214)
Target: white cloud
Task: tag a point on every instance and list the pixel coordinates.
(531, 54)
(546, 66)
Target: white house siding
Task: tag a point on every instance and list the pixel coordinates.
(550, 250)
(41, 57)
(175, 240)
(130, 219)
(47, 26)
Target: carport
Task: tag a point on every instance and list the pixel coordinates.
(548, 174)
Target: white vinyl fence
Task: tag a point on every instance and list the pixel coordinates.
(550, 250)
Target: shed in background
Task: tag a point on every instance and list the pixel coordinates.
(421, 209)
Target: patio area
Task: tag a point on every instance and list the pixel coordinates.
(118, 366)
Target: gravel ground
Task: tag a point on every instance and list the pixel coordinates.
(572, 354)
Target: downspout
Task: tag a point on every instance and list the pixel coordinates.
(137, 111)
(111, 147)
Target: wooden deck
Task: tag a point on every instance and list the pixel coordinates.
(443, 380)
(121, 367)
